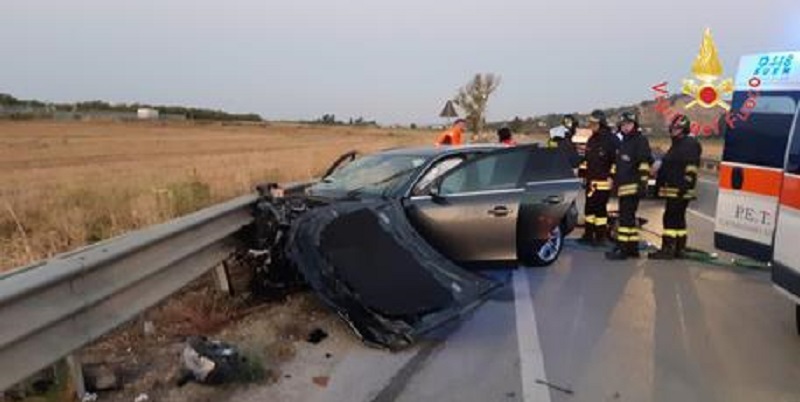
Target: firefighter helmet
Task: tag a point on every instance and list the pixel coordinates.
(598, 116)
(629, 117)
(681, 121)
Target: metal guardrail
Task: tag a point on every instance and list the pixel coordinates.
(50, 309)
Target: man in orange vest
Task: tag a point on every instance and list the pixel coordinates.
(453, 135)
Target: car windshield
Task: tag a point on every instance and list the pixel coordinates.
(374, 174)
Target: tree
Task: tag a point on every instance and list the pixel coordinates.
(473, 98)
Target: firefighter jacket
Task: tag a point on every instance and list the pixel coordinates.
(598, 160)
(450, 137)
(677, 177)
(633, 165)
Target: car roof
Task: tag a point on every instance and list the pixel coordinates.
(431, 151)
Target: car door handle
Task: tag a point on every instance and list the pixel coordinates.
(554, 199)
(499, 211)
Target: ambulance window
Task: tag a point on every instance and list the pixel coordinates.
(762, 138)
(793, 165)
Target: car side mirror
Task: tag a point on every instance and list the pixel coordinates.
(436, 192)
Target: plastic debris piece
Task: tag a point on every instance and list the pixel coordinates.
(89, 397)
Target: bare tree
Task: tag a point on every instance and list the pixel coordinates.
(473, 98)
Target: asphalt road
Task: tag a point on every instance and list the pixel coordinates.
(587, 329)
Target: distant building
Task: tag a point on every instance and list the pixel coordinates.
(147, 114)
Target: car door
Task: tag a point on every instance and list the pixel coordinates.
(473, 211)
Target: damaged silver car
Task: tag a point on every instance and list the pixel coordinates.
(380, 228)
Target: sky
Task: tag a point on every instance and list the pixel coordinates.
(393, 61)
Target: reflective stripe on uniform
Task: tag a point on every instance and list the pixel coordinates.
(627, 230)
(604, 185)
(590, 219)
(668, 192)
(644, 166)
(628, 189)
(675, 232)
(614, 169)
(628, 239)
(600, 221)
(691, 169)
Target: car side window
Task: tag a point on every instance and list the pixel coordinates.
(548, 164)
(501, 171)
(437, 170)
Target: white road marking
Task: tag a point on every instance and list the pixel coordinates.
(702, 215)
(531, 360)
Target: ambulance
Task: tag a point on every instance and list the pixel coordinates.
(758, 210)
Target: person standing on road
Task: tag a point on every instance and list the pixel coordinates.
(454, 135)
(599, 158)
(506, 137)
(676, 181)
(633, 170)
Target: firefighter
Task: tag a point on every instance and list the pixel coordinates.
(676, 181)
(454, 135)
(601, 152)
(505, 137)
(563, 133)
(633, 170)
(561, 138)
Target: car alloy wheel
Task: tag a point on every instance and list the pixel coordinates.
(549, 250)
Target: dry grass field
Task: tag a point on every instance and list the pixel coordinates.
(63, 185)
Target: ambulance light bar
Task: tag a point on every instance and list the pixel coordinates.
(779, 71)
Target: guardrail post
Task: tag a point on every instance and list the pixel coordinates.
(222, 278)
(75, 375)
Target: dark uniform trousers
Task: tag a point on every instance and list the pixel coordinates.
(675, 219)
(596, 210)
(628, 230)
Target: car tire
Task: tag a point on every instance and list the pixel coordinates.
(542, 253)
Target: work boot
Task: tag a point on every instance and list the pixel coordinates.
(667, 251)
(588, 235)
(619, 253)
(632, 249)
(680, 247)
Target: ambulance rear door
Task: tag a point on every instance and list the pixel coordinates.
(751, 172)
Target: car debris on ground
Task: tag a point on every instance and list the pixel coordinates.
(210, 362)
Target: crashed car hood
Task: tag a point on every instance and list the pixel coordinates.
(366, 261)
